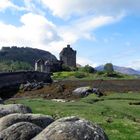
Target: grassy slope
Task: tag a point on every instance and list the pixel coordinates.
(73, 75)
(125, 117)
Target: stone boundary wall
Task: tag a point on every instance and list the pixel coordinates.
(15, 78)
(107, 85)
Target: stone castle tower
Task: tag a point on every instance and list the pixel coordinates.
(68, 56)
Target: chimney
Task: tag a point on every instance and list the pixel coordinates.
(68, 46)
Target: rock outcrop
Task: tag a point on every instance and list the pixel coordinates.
(13, 108)
(20, 131)
(31, 86)
(17, 123)
(82, 91)
(85, 91)
(40, 120)
(72, 128)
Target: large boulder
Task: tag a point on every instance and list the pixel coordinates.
(72, 128)
(13, 108)
(82, 91)
(40, 120)
(20, 131)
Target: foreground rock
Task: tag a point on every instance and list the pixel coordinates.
(31, 86)
(40, 120)
(85, 91)
(82, 91)
(20, 131)
(72, 128)
(13, 108)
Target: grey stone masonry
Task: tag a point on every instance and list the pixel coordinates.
(68, 56)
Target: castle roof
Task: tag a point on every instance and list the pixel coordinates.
(67, 49)
(40, 61)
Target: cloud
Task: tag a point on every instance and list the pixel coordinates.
(134, 64)
(83, 28)
(85, 61)
(66, 8)
(33, 6)
(4, 4)
(38, 32)
(35, 31)
(28, 6)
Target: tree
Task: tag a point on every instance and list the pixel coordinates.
(108, 67)
(88, 69)
(65, 68)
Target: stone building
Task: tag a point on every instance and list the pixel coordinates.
(39, 65)
(53, 66)
(48, 65)
(68, 56)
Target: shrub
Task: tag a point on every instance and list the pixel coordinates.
(79, 75)
(115, 75)
(109, 68)
(65, 68)
(100, 72)
(87, 68)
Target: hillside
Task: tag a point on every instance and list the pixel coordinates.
(28, 55)
(123, 70)
(21, 58)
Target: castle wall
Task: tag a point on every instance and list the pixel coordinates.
(15, 78)
(68, 56)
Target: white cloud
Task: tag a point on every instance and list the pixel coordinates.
(30, 6)
(36, 31)
(4, 4)
(134, 64)
(65, 8)
(84, 27)
(85, 61)
(93, 22)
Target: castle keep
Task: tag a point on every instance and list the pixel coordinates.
(68, 56)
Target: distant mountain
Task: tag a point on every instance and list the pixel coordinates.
(24, 54)
(123, 70)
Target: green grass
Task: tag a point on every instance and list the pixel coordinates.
(76, 75)
(125, 118)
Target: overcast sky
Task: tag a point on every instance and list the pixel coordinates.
(100, 30)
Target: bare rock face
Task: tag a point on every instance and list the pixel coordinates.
(72, 128)
(40, 120)
(13, 108)
(82, 91)
(20, 131)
